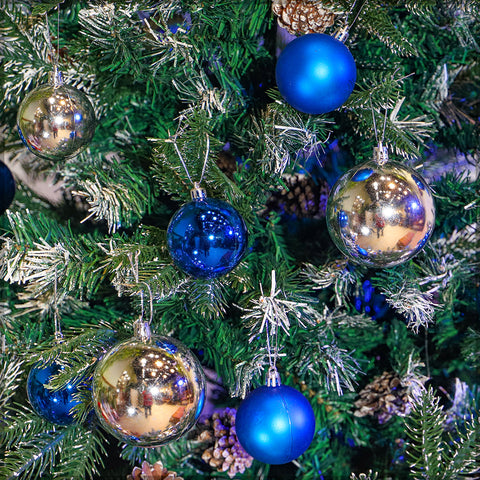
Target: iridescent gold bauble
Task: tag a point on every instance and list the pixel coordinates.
(380, 215)
(56, 121)
(148, 392)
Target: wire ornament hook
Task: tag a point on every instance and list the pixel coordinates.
(141, 328)
(380, 152)
(197, 192)
(273, 377)
(56, 321)
(56, 76)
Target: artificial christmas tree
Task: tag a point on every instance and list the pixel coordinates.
(194, 82)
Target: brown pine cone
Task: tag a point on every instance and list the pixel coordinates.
(152, 472)
(223, 452)
(303, 16)
(383, 398)
(304, 197)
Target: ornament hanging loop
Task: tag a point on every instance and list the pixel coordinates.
(56, 322)
(196, 192)
(55, 76)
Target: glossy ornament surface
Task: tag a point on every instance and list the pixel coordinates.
(53, 405)
(207, 238)
(7, 187)
(148, 393)
(380, 215)
(56, 121)
(316, 73)
(275, 424)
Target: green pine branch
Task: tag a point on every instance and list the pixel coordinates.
(115, 192)
(434, 454)
(11, 372)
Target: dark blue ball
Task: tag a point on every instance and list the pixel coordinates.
(53, 406)
(275, 424)
(7, 187)
(316, 73)
(207, 238)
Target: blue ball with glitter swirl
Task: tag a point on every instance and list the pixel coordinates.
(316, 73)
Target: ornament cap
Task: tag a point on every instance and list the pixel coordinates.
(56, 77)
(273, 378)
(198, 193)
(142, 330)
(342, 34)
(380, 154)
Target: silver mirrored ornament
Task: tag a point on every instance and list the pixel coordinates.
(380, 215)
(148, 391)
(56, 121)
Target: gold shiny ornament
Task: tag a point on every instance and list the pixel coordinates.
(148, 391)
(380, 214)
(56, 121)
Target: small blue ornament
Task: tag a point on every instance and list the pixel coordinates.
(7, 187)
(207, 238)
(275, 424)
(316, 73)
(54, 406)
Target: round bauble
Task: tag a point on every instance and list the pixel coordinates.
(380, 215)
(207, 238)
(56, 121)
(316, 73)
(52, 405)
(7, 187)
(275, 424)
(148, 393)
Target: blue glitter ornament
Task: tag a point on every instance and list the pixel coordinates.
(275, 424)
(316, 73)
(7, 187)
(207, 237)
(54, 406)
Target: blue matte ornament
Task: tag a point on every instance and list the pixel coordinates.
(53, 405)
(206, 237)
(7, 187)
(275, 424)
(316, 73)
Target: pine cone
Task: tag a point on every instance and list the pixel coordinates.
(224, 452)
(304, 198)
(303, 16)
(383, 398)
(152, 472)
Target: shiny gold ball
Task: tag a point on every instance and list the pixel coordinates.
(380, 215)
(56, 121)
(148, 393)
